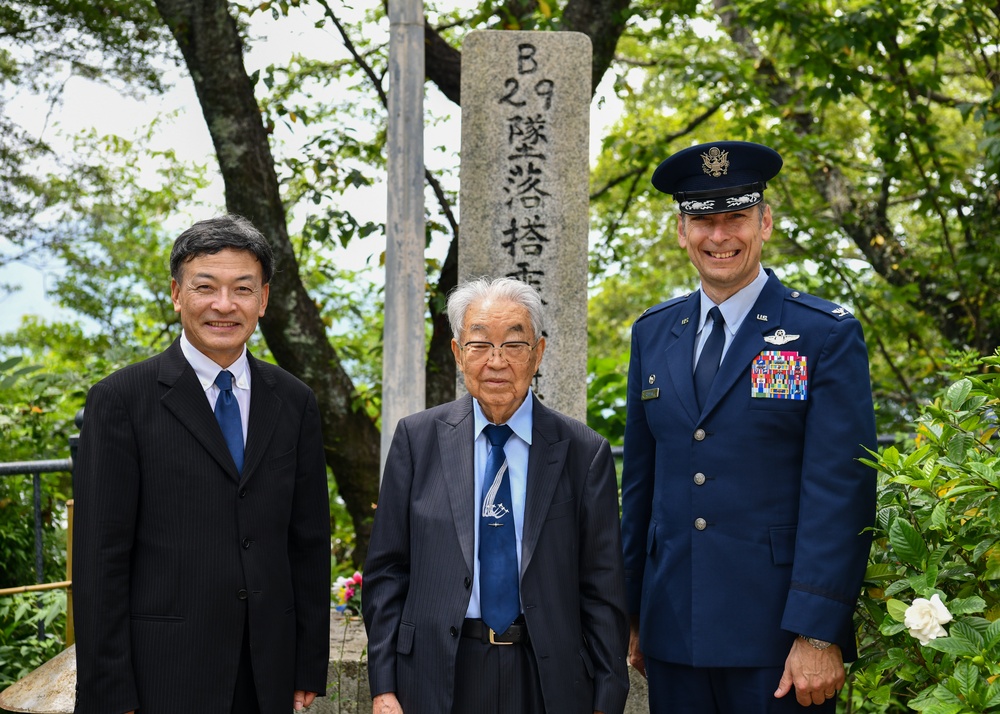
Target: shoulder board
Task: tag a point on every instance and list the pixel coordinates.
(663, 306)
(819, 304)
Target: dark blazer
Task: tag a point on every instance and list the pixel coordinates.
(172, 547)
(418, 574)
(743, 523)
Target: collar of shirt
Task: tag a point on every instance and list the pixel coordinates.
(519, 423)
(736, 308)
(206, 369)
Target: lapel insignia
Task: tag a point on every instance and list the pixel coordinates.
(841, 311)
(762, 318)
(686, 320)
(652, 378)
(780, 337)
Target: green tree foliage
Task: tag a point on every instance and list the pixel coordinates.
(937, 533)
(37, 408)
(885, 114)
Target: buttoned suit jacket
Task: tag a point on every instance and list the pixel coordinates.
(173, 547)
(744, 522)
(419, 569)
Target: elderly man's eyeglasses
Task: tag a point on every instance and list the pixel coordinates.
(513, 352)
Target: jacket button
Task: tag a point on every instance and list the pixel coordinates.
(699, 435)
(699, 478)
(243, 492)
(700, 523)
(242, 594)
(468, 583)
(246, 543)
(453, 631)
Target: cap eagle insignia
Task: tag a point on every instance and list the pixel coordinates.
(715, 162)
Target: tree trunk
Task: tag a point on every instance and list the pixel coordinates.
(213, 51)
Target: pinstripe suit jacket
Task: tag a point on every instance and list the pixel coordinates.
(173, 547)
(418, 574)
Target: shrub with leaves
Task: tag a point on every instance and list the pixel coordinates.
(934, 572)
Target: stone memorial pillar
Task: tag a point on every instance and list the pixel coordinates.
(525, 172)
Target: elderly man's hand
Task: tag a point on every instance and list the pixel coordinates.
(386, 704)
(301, 699)
(815, 674)
(635, 657)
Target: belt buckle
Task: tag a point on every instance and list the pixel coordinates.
(493, 640)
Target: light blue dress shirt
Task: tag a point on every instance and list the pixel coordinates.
(734, 311)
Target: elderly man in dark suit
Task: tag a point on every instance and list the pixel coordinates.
(494, 579)
(201, 544)
(744, 503)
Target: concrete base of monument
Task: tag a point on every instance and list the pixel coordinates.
(49, 689)
(347, 689)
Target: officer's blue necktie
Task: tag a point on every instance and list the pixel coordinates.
(498, 579)
(711, 356)
(227, 412)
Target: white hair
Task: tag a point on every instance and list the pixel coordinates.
(485, 288)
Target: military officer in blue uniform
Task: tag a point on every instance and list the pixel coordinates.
(744, 504)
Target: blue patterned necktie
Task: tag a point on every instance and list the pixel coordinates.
(498, 579)
(227, 413)
(711, 355)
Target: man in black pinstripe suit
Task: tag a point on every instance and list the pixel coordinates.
(202, 565)
(432, 646)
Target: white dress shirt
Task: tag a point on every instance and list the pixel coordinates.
(207, 370)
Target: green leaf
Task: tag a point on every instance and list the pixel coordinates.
(992, 698)
(992, 635)
(896, 609)
(953, 645)
(967, 677)
(957, 393)
(966, 605)
(959, 446)
(880, 571)
(907, 544)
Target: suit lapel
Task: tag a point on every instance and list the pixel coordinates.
(265, 405)
(680, 354)
(186, 400)
(454, 435)
(546, 458)
(749, 341)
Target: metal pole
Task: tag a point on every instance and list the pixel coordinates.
(404, 353)
(36, 488)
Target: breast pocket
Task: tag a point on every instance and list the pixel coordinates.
(561, 509)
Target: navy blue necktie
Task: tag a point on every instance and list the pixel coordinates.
(711, 356)
(227, 413)
(498, 578)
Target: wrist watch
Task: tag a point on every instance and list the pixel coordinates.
(816, 644)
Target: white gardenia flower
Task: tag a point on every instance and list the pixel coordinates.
(925, 618)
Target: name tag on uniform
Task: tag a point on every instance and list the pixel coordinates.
(777, 374)
(650, 394)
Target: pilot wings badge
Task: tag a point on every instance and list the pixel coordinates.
(780, 337)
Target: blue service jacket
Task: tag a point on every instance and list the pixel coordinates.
(744, 523)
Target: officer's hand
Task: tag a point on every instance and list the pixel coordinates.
(386, 704)
(815, 674)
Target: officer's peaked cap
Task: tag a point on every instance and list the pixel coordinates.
(718, 177)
